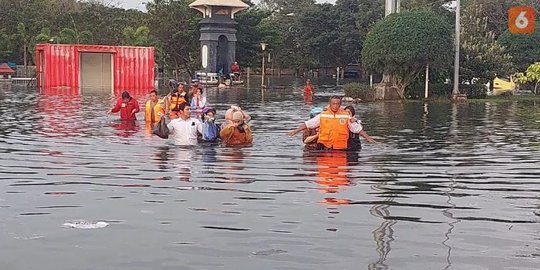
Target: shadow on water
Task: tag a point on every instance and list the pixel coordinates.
(448, 186)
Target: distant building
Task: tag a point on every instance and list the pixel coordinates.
(6, 72)
(77, 68)
(218, 32)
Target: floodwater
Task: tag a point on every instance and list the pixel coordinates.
(446, 187)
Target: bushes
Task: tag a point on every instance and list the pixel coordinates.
(473, 90)
(416, 91)
(361, 91)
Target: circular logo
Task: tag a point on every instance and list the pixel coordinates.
(342, 121)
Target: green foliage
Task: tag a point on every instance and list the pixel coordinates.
(358, 90)
(137, 37)
(71, 36)
(175, 27)
(532, 75)
(403, 44)
(28, 22)
(250, 34)
(436, 90)
(482, 57)
(473, 90)
(524, 49)
(44, 36)
(5, 45)
(492, 13)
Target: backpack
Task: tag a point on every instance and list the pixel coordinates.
(210, 131)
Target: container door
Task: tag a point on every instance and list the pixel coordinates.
(96, 72)
(41, 59)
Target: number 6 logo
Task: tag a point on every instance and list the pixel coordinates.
(521, 20)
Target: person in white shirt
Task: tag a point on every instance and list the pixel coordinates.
(184, 129)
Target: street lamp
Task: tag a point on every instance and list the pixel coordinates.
(455, 91)
(263, 47)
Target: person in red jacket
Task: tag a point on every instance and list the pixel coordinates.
(308, 89)
(127, 106)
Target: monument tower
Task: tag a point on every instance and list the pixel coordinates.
(218, 32)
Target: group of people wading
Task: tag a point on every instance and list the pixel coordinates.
(334, 128)
(175, 111)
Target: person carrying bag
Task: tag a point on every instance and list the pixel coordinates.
(161, 129)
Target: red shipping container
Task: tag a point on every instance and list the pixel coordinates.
(79, 68)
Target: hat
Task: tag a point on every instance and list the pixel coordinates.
(238, 116)
(208, 109)
(314, 111)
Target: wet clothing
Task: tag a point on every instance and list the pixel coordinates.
(334, 128)
(126, 109)
(153, 112)
(308, 89)
(307, 133)
(231, 135)
(184, 132)
(353, 143)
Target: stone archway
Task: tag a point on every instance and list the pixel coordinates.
(222, 54)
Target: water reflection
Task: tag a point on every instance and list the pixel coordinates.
(384, 233)
(55, 112)
(332, 169)
(126, 128)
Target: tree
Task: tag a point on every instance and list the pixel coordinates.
(532, 75)
(5, 45)
(72, 36)
(482, 57)
(495, 12)
(524, 49)
(250, 34)
(23, 38)
(176, 28)
(402, 44)
(137, 37)
(44, 36)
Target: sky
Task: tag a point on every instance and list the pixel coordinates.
(139, 4)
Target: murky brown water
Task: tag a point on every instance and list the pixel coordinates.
(447, 187)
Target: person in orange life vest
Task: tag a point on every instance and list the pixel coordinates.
(354, 138)
(334, 126)
(308, 89)
(237, 132)
(127, 106)
(177, 97)
(153, 108)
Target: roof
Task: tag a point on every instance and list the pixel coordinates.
(202, 6)
(223, 3)
(5, 69)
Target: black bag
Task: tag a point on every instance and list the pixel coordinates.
(161, 129)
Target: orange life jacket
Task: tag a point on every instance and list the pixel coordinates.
(334, 129)
(175, 101)
(157, 110)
